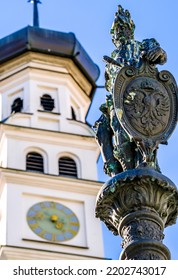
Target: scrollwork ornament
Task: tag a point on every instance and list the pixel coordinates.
(130, 72)
(164, 76)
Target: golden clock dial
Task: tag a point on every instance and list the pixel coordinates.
(53, 221)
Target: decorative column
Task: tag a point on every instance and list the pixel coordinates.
(140, 113)
(137, 204)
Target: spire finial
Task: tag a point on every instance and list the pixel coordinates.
(35, 12)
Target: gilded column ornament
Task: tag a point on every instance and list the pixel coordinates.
(140, 113)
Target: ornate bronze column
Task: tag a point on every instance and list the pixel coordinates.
(140, 113)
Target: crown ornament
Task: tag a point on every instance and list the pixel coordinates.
(146, 84)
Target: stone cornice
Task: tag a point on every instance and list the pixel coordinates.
(32, 179)
(22, 130)
(18, 253)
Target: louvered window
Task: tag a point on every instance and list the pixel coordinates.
(67, 167)
(17, 105)
(47, 102)
(34, 162)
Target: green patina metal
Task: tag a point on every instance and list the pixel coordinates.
(120, 149)
(140, 113)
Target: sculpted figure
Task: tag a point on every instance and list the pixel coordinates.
(118, 150)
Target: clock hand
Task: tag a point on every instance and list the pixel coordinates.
(59, 225)
(39, 216)
(54, 218)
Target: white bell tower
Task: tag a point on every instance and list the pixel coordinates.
(48, 154)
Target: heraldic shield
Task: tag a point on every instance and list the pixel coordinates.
(145, 102)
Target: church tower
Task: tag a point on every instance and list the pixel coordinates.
(48, 153)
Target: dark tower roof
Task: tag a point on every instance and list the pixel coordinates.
(50, 42)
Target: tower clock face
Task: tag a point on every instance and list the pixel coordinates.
(53, 221)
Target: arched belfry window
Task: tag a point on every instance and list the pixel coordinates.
(17, 105)
(47, 102)
(34, 162)
(73, 114)
(67, 167)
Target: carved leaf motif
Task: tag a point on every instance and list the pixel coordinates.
(132, 192)
(148, 256)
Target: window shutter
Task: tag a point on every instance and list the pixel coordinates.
(34, 162)
(67, 167)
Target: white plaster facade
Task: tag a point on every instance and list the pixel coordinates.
(52, 134)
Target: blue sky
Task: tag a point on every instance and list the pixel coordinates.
(91, 20)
